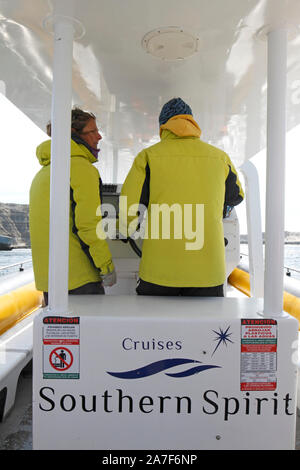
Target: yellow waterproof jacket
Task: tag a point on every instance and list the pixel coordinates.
(88, 255)
(188, 182)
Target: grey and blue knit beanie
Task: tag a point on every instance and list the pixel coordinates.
(172, 108)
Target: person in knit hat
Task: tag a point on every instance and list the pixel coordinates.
(186, 182)
(172, 108)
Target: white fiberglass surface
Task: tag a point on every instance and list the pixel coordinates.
(115, 77)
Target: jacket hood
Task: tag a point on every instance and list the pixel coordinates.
(182, 125)
(43, 152)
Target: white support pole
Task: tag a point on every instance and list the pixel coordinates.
(275, 184)
(60, 165)
(115, 165)
(254, 229)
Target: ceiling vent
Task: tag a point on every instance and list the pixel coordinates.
(171, 43)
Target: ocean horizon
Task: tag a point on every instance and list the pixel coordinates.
(291, 258)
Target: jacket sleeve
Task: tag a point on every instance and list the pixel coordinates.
(135, 195)
(86, 213)
(234, 193)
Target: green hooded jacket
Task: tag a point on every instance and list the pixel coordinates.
(184, 183)
(89, 255)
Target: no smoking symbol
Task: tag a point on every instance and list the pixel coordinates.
(61, 359)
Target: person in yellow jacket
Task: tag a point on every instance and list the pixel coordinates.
(183, 185)
(90, 260)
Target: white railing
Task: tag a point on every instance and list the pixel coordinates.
(10, 267)
(287, 268)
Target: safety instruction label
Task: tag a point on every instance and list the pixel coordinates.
(258, 354)
(61, 347)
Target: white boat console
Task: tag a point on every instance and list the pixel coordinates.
(130, 372)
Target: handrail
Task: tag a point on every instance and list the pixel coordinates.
(20, 263)
(240, 279)
(290, 269)
(285, 267)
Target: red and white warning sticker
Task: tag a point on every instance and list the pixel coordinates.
(61, 347)
(61, 359)
(258, 354)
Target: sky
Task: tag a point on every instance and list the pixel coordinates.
(18, 165)
(292, 184)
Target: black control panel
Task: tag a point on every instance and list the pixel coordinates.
(111, 189)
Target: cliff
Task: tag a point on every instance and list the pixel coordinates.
(14, 222)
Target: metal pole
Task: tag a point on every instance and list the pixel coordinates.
(255, 243)
(275, 184)
(60, 165)
(115, 164)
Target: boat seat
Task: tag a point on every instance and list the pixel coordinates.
(17, 310)
(16, 346)
(298, 385)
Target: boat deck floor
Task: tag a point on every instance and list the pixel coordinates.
(16, 430)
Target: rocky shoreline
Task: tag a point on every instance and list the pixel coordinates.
(14, 223)
(290, 238)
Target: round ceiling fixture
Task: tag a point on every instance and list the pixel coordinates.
(171, 43)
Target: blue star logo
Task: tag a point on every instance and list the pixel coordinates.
(222, 337)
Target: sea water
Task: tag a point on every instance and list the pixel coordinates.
(12, 257)
(291, 258)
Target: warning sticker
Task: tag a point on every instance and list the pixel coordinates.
(61, 347)
(61, 359)
(258, 354)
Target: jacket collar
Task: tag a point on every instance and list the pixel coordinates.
(182, 125)
(43, 152)
(80, 141)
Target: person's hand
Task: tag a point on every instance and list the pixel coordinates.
(109, 279)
